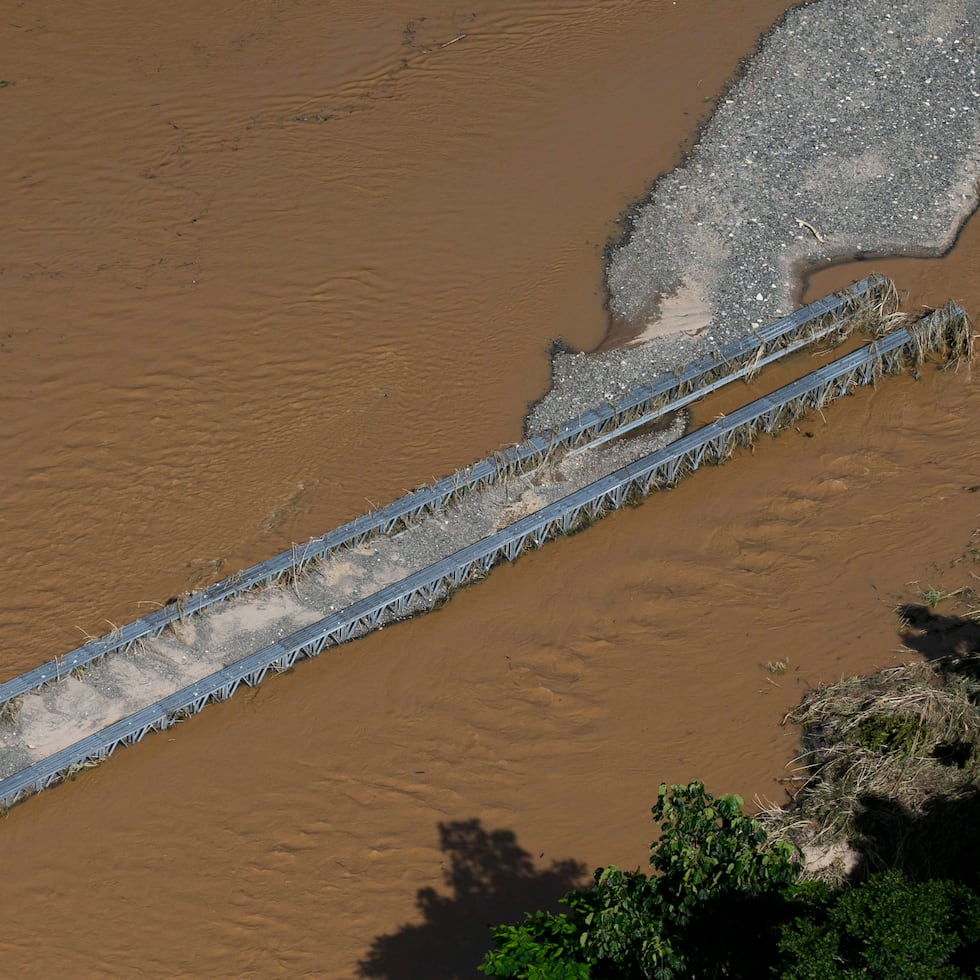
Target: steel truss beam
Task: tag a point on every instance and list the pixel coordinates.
(736, 360)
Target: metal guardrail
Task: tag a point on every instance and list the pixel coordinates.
(739, 359)
(423, 589)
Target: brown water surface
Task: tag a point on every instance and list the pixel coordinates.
(262, 262)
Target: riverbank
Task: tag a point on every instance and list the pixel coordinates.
(888, 774)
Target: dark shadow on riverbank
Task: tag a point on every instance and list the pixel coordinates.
(936, 636)
(493, 880)
(935, 832)
(940, 840)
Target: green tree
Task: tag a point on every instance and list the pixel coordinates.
(717, 885)
(725, 902)
(545, 946)
(887, 927)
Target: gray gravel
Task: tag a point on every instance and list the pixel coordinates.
(859, 118)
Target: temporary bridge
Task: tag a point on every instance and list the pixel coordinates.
(868, 305)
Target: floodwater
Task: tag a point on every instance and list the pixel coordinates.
(265, 264)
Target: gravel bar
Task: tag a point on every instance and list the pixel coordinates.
(854, 130)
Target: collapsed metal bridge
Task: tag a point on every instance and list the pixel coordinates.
(865, 304)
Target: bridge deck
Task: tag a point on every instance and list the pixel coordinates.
(818, 320)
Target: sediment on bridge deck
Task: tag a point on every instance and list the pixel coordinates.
(826, 320)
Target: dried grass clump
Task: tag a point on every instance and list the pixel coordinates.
(948, 329)
(890, 769)
(876, 312)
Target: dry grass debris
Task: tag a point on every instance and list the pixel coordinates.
(889, 772)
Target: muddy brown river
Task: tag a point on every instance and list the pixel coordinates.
(267, 264)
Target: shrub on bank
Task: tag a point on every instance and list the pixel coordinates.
(727, 901)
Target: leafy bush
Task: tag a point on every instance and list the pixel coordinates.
(545, 946)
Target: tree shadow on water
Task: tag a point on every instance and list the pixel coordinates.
(493, 880)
